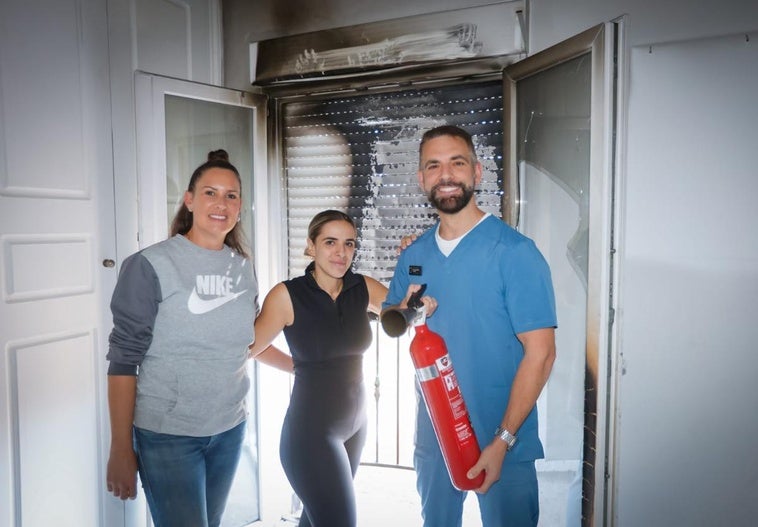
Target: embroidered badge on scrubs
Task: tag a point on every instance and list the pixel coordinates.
(414, 270)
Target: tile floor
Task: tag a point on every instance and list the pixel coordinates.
(387, 497)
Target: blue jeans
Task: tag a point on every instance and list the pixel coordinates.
(187, 479)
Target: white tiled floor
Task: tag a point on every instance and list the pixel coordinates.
(387, 497)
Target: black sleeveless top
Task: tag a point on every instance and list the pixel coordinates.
(328, 332)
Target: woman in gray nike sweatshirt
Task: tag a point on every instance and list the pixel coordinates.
(177, 378)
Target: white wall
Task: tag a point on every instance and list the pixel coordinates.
(688, 258)
(650, 21)
(689, 284)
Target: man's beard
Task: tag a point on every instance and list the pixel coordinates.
(451, 204)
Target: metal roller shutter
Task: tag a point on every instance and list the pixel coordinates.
(359, 154)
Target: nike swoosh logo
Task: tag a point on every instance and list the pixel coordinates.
(198, 306)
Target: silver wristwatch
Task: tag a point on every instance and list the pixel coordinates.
(506, 436)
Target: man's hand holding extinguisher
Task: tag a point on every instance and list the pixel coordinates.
(411, 296)
(531, 376)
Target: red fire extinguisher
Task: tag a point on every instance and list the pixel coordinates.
(442, 396)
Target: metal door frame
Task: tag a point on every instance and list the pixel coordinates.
(603, 42)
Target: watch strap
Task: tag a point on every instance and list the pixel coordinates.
(506, 436)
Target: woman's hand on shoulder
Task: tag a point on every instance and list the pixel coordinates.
(406, 241)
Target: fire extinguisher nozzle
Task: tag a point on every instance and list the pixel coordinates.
(395, 321)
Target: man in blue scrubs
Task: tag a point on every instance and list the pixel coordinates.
(496, 312)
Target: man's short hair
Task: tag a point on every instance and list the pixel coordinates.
(447, 129)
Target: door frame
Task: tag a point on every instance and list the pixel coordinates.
(603, 42)
(150, 91)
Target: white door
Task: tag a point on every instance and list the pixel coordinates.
(178, 123)
(560, 143)
(57, 240)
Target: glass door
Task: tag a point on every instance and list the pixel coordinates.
(178, 123)
(559, 173)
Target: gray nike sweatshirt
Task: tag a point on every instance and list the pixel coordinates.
(182, 319)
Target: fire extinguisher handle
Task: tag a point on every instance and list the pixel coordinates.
(414, 302)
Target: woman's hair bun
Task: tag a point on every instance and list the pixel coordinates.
(218, 155)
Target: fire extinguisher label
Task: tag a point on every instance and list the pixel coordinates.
(458, 407)
(444, 364)
(463, 431)
(454, 396)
